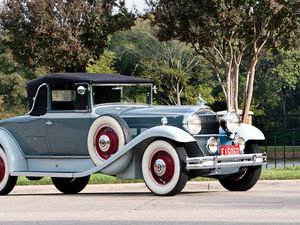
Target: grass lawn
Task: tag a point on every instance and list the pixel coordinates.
(288, 173)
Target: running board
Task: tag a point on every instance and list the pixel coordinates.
(42, 174)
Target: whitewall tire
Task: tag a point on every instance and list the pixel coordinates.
(163, 168)
(7, 182)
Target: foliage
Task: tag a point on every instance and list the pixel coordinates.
(12, 93)
(61, 35)
(277, 78)
(12, 82)
(227, 32)
(104, 65)
(172, 64)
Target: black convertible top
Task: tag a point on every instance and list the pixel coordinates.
(56, 78)
(71, 78)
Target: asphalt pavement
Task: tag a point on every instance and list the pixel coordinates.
(269, 202)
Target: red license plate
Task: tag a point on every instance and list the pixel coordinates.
(230, 150)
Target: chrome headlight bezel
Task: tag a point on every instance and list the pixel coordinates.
(230, 122)
(193, 124)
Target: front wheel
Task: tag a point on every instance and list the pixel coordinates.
(70, 185)
(7, 182)
(163, 168)
(246, 178)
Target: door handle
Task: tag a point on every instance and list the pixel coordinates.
(49, 123)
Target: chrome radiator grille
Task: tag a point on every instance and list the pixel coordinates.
(209, 123)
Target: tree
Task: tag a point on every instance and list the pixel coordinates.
(61, 35)
(226, 32)
(104, 65)
(12, 82)
(12, 93)
(170, 64)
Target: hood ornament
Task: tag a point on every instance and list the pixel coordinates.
(201, 102)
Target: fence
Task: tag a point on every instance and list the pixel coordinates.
(282, 142)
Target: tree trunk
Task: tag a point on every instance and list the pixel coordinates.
(249, 89)
(229, 91)
(236, 69)
(178, 94)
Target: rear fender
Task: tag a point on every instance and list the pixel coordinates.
(15, 157)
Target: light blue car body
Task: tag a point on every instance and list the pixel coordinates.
(55, 144)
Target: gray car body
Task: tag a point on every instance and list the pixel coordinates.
(55, 144)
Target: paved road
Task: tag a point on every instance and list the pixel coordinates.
(269, 202)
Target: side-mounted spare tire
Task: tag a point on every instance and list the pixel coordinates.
(106, 136)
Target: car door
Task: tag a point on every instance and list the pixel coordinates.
(31, 131)
(68, 120)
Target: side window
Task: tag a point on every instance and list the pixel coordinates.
(62, 97)
(106, 94)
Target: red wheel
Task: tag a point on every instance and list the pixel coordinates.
(2, 169)
(163, 168)
(106, 141)
(7, 182)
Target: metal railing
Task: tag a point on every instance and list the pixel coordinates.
(282, 143)
(282, 147)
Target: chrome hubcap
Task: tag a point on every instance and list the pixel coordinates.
(104, 143)
(159, 167)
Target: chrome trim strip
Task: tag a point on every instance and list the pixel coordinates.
(55, 157)
(41, 174)
(34, 98)
(216, 162)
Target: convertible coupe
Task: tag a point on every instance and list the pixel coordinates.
(81, 123)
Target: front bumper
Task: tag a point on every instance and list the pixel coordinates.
(217, 162)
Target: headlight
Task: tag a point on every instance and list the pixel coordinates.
(230, 122)
(193, 124)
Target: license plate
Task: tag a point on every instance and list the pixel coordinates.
(230, 150)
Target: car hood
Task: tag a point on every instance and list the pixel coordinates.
(149, 110)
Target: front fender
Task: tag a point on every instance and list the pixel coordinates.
(16, 160)
(169, 132)
(249, 132)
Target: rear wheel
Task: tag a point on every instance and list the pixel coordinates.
(70, 185)
(163, 168)
(247, 177)
(7, 182)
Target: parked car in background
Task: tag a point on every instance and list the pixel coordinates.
(81, 123)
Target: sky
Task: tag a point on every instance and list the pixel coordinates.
(139, 4)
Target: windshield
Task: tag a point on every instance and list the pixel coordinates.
(133, 93)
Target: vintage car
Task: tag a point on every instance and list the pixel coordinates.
(81, 123)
